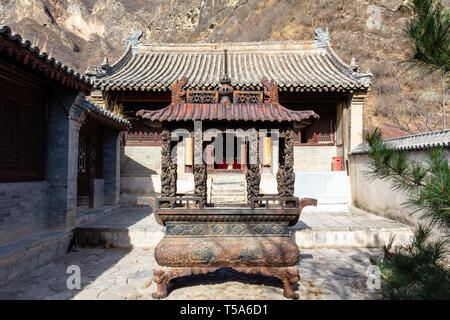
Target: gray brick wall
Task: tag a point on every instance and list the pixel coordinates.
(62, 158)
(23, 210)
(111, 166)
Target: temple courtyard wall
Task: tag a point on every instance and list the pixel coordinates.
(377, 196)
(23, 209)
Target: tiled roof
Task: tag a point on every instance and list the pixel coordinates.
(26, 46)
(231, 111)
(293, 65)
(414, 142)
(105, 114)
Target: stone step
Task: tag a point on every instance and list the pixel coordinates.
(227, 202)
(229, 178)
(227, 198)
(137, 228)
(221, 186)
(224, 200)
(229, 192)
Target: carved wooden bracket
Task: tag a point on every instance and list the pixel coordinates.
(177, 90)
(270, 90)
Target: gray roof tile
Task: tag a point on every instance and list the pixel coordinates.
(6, 32)
(414, 142)
(294, 65)
(91, 106)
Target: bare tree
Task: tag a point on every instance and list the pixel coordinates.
(408, 110)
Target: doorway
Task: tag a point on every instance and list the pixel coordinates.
(231, 158)
(90, 163)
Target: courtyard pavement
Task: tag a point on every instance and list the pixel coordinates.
(119, 274)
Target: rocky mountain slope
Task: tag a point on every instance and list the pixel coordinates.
(82, 33)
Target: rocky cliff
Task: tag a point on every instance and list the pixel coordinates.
(82, 33)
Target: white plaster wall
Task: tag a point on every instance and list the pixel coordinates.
(140, 161)
(140, 173)
(377, 195)
(331, 189)
(314, 159)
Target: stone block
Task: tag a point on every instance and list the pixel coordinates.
(97, 190)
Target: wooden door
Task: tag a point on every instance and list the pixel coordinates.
(90, 160)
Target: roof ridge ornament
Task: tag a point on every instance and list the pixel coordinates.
(225, 89)
(134, 39)
(322, 38)
(106, 66)
(104, 70)
(363, 76)
(353, 65)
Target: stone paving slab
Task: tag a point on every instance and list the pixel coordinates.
(116, 274)
(353, 229)
(353, 219)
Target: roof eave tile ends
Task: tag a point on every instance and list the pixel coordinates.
(236, 112)
(414, 142)
(293, 67)
(27, 46)
(106, 114)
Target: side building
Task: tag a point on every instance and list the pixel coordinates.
(59, 155)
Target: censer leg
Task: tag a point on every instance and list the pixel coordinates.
(161, 291)
(162, 277)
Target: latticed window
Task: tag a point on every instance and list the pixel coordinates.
(321, 131)
(82, 153)
(11, 136)
(21, 141)
(141, 135)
